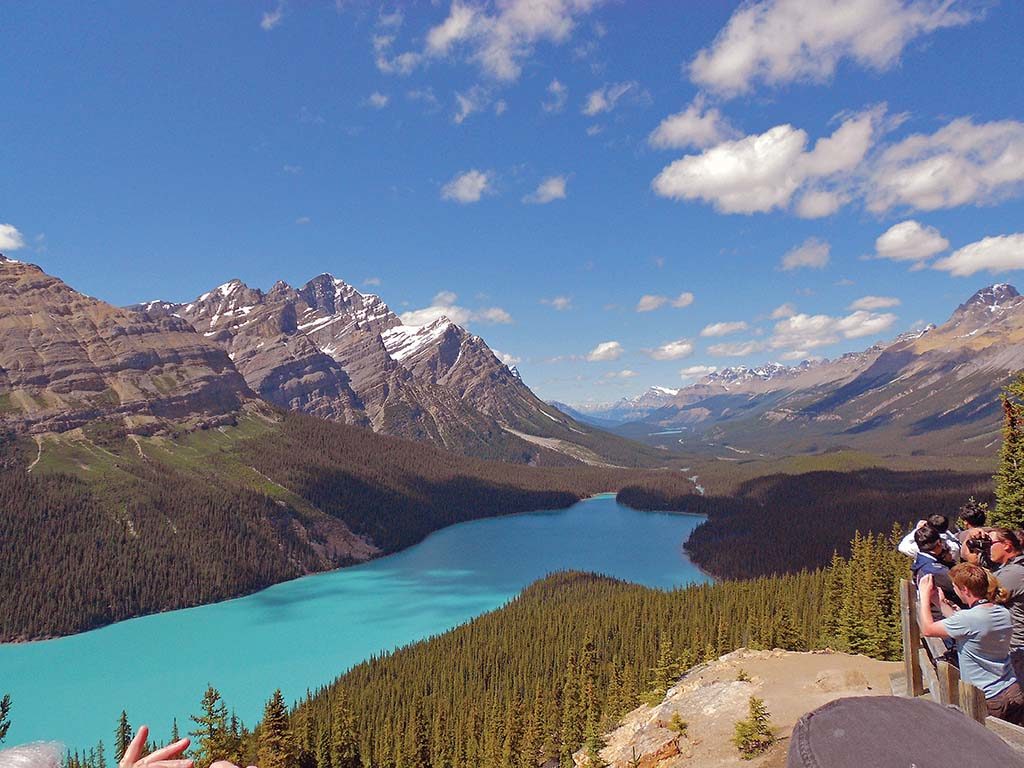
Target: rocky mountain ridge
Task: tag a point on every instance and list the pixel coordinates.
(327, 349)
(935, 389)
(67, 359)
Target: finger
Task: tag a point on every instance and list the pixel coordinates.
(170, 764)
(168, 752)
(134, 751)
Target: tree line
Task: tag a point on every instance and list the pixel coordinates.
(555, 668)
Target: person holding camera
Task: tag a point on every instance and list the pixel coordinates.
(932, 555)
(1005, 552)
(951, 555)
(982, 631)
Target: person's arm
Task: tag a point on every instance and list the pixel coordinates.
(929, 627)
(907, 545)
(947, 608)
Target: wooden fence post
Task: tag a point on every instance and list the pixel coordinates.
(911, 638)
(972, 702)
(948, 678)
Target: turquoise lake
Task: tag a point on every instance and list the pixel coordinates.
(304, 633)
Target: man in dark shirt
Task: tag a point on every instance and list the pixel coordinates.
(932, 551)
(1006, 554)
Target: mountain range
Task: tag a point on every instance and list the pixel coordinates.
(324, 348)
(935, 390)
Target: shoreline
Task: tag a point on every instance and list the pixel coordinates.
(382, 556)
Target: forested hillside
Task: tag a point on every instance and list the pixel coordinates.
(557, 666)
(783, 523)
(108, 526)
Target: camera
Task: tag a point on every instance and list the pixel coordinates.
(979, 545)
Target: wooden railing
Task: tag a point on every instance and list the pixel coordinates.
(926, 671)
(926, 668)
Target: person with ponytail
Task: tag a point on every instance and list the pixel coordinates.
(982, 631)
(1008, 559)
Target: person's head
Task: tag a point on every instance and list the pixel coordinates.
(972, 582)
(40, 755)
(973, 514)
(1005, 545)
(928, 539)
(939, 522)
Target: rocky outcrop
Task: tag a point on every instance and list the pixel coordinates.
(711, 698)
(67, 359)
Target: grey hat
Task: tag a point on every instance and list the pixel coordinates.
(892, 732)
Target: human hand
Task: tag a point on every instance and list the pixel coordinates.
(166, 757)
(925, 587)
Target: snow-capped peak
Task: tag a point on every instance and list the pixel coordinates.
(403, 341)
(994, 297)
(665, 391)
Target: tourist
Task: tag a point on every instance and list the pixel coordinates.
(982, 631)
(1006, 554)
(908, 546)
(973, 516)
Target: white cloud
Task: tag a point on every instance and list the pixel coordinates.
(500, 107)
(812, 253)
(697, 371)
(910, 241)
(605, 99)
(625, 374)
(467, 187)
(875, 302)
(372, 282)
(444, 306)
(782, 41)
(294, 170)
(474, 100)
(783, 310)
(819, 203)
(455, 28)
(994, 254)
(684, 299)
(560, 303)
(401, 64)
(424, 96)
(762, 172)
(673, 350)
(735, 349)
(10, 238)
(303, 220)
(606, 350)
(801, 333)
(649, 303)
(272, 18)
(551, 189)
(391, 20)
(500, 38)
(506, 358)
(723, 329)
(378, 100)
(693, 127)
(962, 163)
(558, 96)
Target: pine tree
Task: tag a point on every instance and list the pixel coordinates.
(101, 757)
(122, 736)
(276, 743)
(344, 740)
(573, 716)
(754, 735)
(533, 732)
(663, 674)
(513, 736)
(211, 733)
(5, 716)
(416, 749)
(175, 734)
(1009, 477)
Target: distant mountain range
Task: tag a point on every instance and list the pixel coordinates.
(325, 348)
(934, 390)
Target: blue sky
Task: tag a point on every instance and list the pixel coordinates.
(614, 195)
